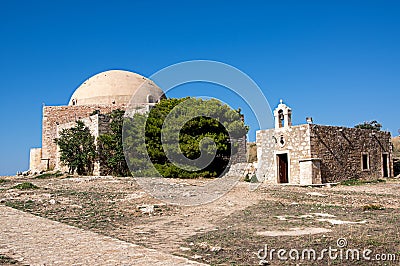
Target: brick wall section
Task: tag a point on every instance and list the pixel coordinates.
(341, 151)
(53, 115)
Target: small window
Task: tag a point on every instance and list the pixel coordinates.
(365, 161)
(150, 98)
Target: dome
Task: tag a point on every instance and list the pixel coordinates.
(116, 87)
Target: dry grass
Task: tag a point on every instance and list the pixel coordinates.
(223, 232)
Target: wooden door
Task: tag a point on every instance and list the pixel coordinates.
(282, 160)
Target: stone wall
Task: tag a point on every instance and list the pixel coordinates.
(295, 141)
(92, 122)
(340, 150)
(241, 155)
(35, 160)
(57, 115)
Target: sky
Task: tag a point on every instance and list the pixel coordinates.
(337, 61)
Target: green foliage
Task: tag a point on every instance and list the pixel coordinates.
(49, 175)
(5, 260)
(374, 125)
(359, 182)
(373, 207)
(111, 153)
(253, 179)
(77, 149)
(25, 186)
(197, 136)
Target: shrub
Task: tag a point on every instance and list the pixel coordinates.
(25, 186)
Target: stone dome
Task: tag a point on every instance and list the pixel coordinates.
(116, 87)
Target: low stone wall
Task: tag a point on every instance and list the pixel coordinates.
(241, 170)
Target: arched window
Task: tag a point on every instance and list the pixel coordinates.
(150, 98)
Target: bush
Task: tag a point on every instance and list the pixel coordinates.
(196, 135)
(373, 207)
(77, 149)
(359, 182)
(25, 186)
(49, 175)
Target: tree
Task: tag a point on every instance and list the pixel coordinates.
(374, 125)
(111, 153)
(203, 127)
(77, 149)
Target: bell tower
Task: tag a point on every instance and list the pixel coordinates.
(283, 116)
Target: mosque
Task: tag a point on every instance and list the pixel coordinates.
(100, 94)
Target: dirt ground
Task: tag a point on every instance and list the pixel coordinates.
(232, 230)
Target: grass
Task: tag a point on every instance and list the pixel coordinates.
(102, 207)
(21, 205)
(239, 242)
(373, 207)
(49, 175)
(359, 182)
(2, 181)
(7, 260)
(25, 186)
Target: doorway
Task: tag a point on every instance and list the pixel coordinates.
(283, 170)
(385, 165)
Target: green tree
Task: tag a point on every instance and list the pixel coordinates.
(212, 131)
(111, 153)
(77, 149)
(374, 125)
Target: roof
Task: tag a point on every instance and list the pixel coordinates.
(115, 87)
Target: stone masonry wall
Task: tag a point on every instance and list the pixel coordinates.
(92, 122)
(340, 150)
(241, 155)
(295, 141)
(57, 115)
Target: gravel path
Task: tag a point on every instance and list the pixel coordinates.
(33, 240)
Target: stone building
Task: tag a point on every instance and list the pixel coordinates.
(90, 103)
(314, 154)
(100, 94)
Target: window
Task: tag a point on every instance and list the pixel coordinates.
(150, 98)
(281, 118)
(365, 161)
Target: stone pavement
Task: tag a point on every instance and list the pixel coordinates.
(33, 240)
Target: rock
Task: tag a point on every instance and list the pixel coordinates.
(184, 248)
(203, 245)
(215, 249)
(146, 209)
(52, 201)
(196, 257)
(316, 194)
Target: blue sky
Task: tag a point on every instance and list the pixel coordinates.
(337, 61)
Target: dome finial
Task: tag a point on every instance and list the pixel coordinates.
(281, 101)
